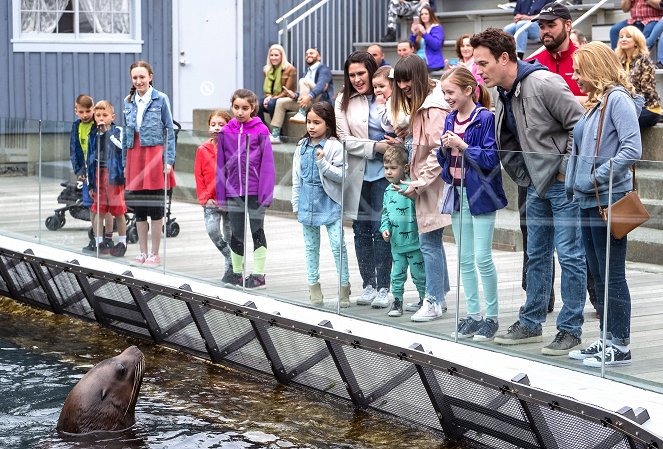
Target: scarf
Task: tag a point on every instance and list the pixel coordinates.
(273, 81)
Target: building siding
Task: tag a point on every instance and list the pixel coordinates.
(45, 85)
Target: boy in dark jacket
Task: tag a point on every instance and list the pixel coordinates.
(106, 178)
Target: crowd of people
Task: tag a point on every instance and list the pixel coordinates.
(404, 155)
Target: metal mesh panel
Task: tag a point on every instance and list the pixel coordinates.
(294, 348)
(491, 403)
(374, 370)
(167, 311)
(25, 280)
(189, 337)
(577, 432)
(228, 328)
(67, 286)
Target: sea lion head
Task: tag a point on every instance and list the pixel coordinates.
(105, 397)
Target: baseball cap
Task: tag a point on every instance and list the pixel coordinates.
(552, 11)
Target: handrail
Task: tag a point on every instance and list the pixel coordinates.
(578, 21)
(292, 11)
(318, 5)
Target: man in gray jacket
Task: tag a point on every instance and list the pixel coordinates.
(534, 118)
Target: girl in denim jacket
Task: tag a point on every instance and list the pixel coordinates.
(148, 126)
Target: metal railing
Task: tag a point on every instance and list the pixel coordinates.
(332, 26)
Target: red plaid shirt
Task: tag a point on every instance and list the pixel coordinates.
(642, 12)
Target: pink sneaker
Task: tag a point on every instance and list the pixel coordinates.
(139, 259)
(153, 260)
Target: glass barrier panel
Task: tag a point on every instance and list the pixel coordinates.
(19, 178)
(632, 273)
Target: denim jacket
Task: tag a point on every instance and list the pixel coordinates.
(156, 117)
(113, 151)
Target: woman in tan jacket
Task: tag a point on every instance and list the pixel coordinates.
(279, 73)
(417, 95)
(358, 126)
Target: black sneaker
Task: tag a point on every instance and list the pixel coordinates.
(487, 330)
(233, 278)
(518, 334)
(467, 327)
(590, 351)
(255, 281)
(91, 247)
(562, 344)
(390, 35)
(118, 250)
(396, 308)
(613, 357)
(105, 247)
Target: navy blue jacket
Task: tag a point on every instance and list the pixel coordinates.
(323, 77)
(483, 174)
(112, 140)
(529, 7)
(75, 150)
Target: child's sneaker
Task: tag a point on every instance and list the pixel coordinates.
(429, 311)
(91, 247)
(105, 247)
(613, 357)
(153, 260)
(367, 296)
(255, 281)
(381, 300)
(467, 327)
(396, 308)
(139, 259)
(118, 250)
(414, 306)
(232, 278)
(487, 330)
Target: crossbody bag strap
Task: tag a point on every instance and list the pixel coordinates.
(598, 142)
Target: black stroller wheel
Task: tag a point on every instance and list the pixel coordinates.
(172, 229)
(54, 222)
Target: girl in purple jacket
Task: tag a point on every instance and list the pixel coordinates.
(471, 165)
(245, 183)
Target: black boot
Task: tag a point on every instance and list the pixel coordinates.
(390, 35)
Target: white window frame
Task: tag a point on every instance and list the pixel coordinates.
(72, 43)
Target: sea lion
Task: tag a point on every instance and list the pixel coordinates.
(105, 398)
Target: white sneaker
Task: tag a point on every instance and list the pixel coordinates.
(298, 118)
(413, 306)
(274, 140)
(381, 300)
(428, 312)
(367, 296)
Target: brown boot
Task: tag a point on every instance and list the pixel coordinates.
(344, 300)
(315, 294)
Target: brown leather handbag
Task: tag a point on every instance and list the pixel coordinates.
(628, 212)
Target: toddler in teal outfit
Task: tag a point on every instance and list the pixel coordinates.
(399, 227)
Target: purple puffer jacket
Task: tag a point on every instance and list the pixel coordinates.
(231, 179)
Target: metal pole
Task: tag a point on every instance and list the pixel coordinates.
(247, 221)
(39, 183)
(164, 221)
(606, 290)
(342, 238)
(459, 240)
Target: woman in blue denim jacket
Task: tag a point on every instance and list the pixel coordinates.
(148, 126)
(600, 76)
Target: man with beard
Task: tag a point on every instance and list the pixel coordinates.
(315, 85)
(555, 30)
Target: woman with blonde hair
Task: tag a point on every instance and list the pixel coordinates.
(613, 107)
(633, 53)
(279, 73)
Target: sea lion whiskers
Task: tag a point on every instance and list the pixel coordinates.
(138, 378)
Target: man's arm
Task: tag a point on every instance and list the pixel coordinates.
(626, 5)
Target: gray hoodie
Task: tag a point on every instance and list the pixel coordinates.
(545, 112)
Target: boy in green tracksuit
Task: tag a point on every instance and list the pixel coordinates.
(399, 227)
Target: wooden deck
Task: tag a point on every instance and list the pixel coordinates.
(191, 254)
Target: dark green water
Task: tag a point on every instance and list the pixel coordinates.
(184, 402)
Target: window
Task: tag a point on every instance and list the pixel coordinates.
(77, 26)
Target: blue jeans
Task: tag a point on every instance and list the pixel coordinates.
(594, 236)
(435, 264)
(373, 253)
(652, 38)
(614, 31)
(312, 242)
(271, 106)
(554, 222)
(531, 33)
(476, 252)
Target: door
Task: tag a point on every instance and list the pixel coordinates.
(207, 49)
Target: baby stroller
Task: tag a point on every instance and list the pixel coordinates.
(72, 198)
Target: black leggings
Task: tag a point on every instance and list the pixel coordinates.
(146, 203)
(256, 221)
